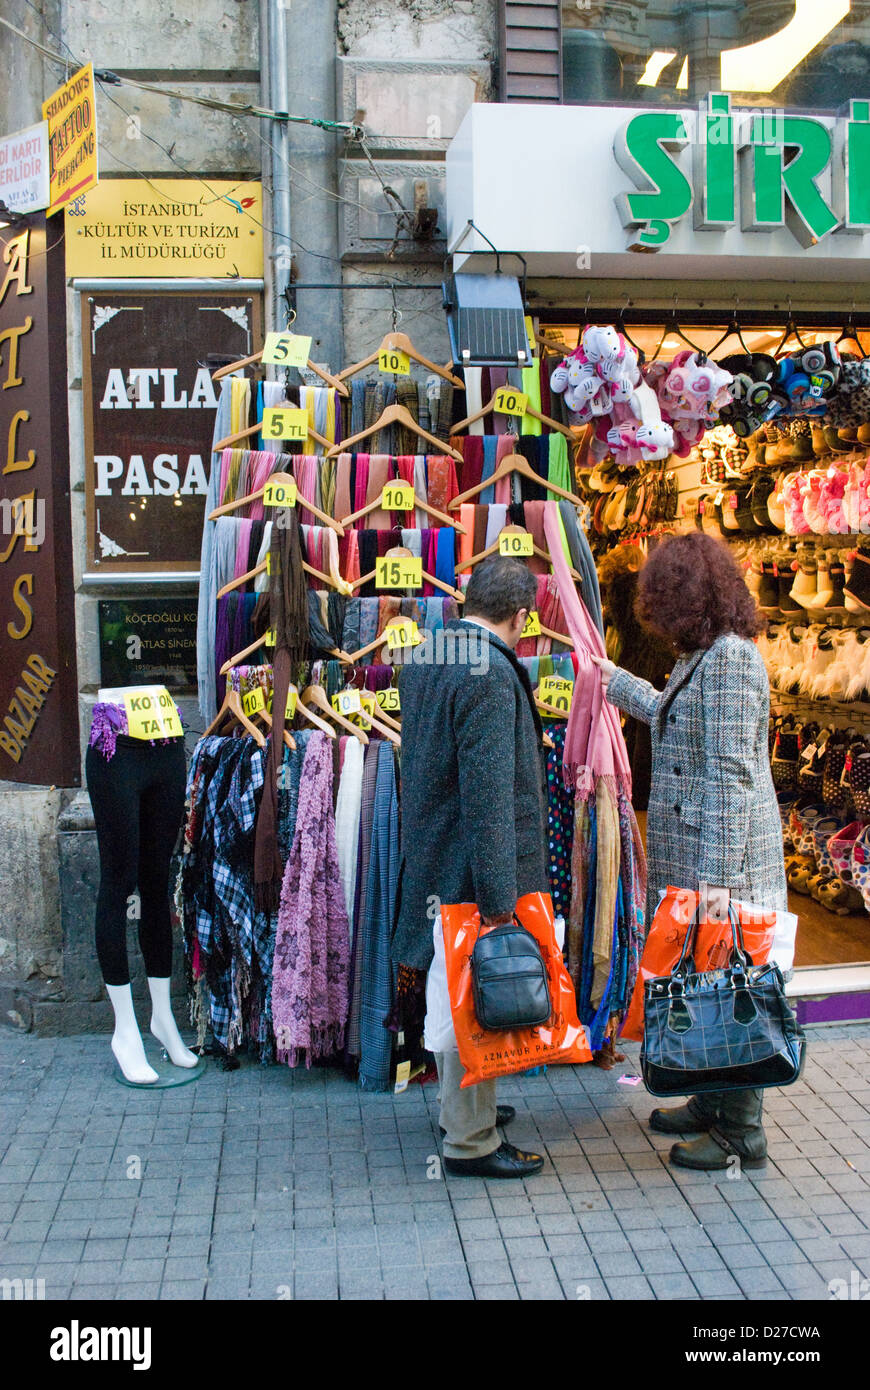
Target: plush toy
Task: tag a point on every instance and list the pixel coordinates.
(690, 394)
(602, 384)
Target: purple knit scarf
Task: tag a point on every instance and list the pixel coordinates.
(312, 944)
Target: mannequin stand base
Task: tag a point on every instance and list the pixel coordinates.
(167, 1074)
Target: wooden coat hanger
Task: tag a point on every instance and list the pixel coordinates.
(493, 550)
(255, 646)
(263, 567)
(530, 410)
(305, 712)
(315, 695)
(289, 740)
(395, 415)
(236, 438)
(232, 705)
(424, 506)
(401, 552)
(513, 463)
(551, 709)
(546, 740)
(286, 479)
(256, 357)
(400, 342)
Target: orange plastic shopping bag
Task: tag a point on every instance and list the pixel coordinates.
(713, 945)
(486, 1055)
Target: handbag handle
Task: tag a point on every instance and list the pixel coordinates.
(739, 954)
(503, 924)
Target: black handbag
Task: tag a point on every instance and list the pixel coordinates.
(719, 1030)
(509, 979)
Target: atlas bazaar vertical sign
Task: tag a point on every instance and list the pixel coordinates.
(38, 695)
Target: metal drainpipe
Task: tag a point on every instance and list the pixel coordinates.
(273, 67)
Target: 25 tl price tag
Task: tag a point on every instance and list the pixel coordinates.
(397, 497)
(510, 401)
(533, 625)
(284, 422)
(516, 543)
(253, 701)
(399, 573)
(388, 699)
(280, 491)
(287, 349)
(395, 362)
(402, 632)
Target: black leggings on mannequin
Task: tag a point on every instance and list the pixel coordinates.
(138, 801)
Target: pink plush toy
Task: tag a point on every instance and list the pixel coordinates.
(602, 382)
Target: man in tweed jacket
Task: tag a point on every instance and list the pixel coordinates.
(473, 814)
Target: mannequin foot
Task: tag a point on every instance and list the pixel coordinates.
(130, 1056)
(167, 1034)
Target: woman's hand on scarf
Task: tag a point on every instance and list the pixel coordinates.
(605, 670)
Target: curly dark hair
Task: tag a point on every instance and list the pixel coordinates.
(691, 590)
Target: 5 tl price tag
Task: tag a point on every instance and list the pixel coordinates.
(533, 625)
(402, 632)
(510, 401)
(284, 422)
(393, 361)
(397, 497)
(399, 572)
(287, 349)
(516, 543)
(253, 701)
(280, 491)
(556, 692)
(389, 699)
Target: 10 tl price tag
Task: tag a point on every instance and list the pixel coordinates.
(516, 543)
(253, 701)
(510, 401)
(280, 491)
(533, 625)
(287, 349)
(347, 702)
(393, 361)
(402, 632)
(397, 497)
(284, 422)
(399, 572)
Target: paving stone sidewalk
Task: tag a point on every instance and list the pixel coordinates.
(265, 1184)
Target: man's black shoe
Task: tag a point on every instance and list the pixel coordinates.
(504, 1162)
(503, 1116)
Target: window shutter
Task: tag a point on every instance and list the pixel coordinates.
(530, 50)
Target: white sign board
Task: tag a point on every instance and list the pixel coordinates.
(24, 169)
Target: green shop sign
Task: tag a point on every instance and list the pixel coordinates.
(761, 170)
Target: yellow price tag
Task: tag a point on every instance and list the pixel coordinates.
(269, 637)
(399, 572)
(397, 497)
(290, 707)
(554, 690)
(403, 1076)
(393, 361)
(280, 491)
(533, 625)
(510, 401)
(402, 632)
(388, 699)
(347, 702)
(284, 422)
(253, 701)
(287, 349)
(152, 713)
(515, 543)
(530, 331)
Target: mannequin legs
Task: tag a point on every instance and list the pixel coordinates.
(126, 1039)
(163, 1025)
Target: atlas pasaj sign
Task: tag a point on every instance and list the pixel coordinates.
(759, 170)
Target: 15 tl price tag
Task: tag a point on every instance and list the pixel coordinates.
(397, 497)
(399, 572)
(533, 625)
(516, 543)
(510, 401)
(152, 713)
(388, 699)
(280, 491)
(401, 632)
(347, 702)
(253, 701)
(395, 362)
(555, 691)
(284, 422)
(287, 349)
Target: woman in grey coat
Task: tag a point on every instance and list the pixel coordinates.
(713, 817)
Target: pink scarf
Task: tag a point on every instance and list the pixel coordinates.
(312, 943)
(594, 745)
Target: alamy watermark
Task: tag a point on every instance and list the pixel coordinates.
(23, 516)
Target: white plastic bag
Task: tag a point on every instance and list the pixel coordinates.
(438, 1034)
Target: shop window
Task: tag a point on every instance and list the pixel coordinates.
(667, 52)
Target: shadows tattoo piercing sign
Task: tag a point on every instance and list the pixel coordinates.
(38, 697)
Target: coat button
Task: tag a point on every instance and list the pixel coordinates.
(672, 719)
(676, 772)
(677, 808)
